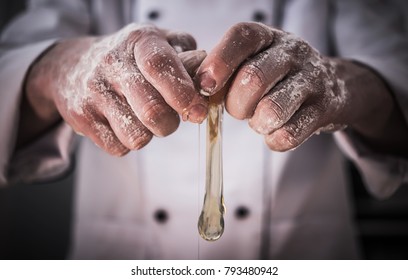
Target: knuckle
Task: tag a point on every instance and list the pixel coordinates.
(301, 46)
(125, 40)
(245, 30)
(315, 75)
(296, 48)
(266, 120)
(132, 132)
(139, 138)
(97, 84)
(111, 58)
(253, 75)
(159, 117)
(283, 140)
(156, 62)
(106, 140)
(151, 111)
(290, 137)
(136, 31)
(275, 113)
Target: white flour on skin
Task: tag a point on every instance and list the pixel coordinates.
(77, 92)
(258, 35)
(255, 77)
(276, 108)
(333, 96)
(335, 92)
(316, 78)
(162, 71)
(108, 72)
(109, 59)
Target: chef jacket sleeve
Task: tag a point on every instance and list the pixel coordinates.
(22, 42)
(372, 32)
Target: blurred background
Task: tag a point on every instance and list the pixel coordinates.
(35, 220)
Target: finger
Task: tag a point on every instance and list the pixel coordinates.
(124, 123)
(298, 129)
(145, 101)
(254, 79)
(241, 41)
(97, 128)
(280, 104)
(192, 60)
(160, 65)
(180, 41)
(104, 137)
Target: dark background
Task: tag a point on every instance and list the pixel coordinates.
(35, 220)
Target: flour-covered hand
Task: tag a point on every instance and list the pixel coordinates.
(285, 88)
(120, 90)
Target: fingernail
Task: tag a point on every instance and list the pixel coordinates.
(195, 114)
(207, 84)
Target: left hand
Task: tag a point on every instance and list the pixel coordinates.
(286, 89)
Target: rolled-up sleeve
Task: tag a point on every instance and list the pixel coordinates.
(382, 174)
(22, 42)
(372, 33)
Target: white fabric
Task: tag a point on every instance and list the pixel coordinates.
(30, 165)
(298, 201)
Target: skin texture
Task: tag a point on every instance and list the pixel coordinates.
(288, 91)
(121, 90)
(118, 90)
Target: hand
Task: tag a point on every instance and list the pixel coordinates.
(121, 89)
(288, 91)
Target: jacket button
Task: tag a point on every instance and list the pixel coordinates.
(153, 15)
(161, 216)
(259, 16)
(241, 212)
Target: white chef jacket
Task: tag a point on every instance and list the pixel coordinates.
(146, 204)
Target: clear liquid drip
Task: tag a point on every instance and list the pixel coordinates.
(211, 221)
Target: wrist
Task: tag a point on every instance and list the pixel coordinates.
(373, 112)
(38, 109)
(370, 103)
(48, 73)
(37, 95)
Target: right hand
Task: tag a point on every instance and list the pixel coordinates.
(121, 89)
